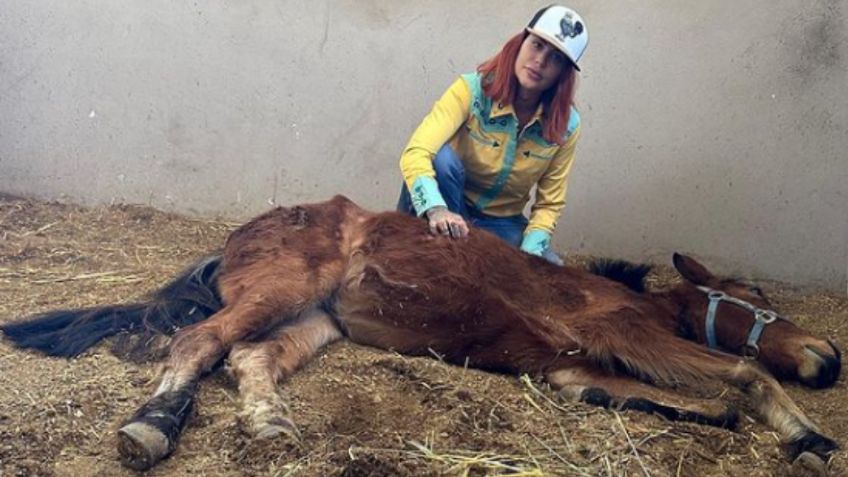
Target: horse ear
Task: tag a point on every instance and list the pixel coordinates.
(691, 270)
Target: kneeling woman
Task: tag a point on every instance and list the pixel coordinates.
(497, 133)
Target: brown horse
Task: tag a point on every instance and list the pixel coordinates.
(295, 279)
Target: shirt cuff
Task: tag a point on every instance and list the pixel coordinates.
(535, 242)
(425, 195)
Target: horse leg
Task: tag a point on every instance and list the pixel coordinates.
(260, 366)
(152, 432)
(775, 407)
(648, 351)
(585, 382)
(807, 447)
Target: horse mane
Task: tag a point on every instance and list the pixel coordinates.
(630, 274)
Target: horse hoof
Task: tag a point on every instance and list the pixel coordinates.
(276, 427)
(814, 443)
(141, 445)
(808, 464)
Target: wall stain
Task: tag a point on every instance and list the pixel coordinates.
(326, 28)
(176, 132)
(814, 41)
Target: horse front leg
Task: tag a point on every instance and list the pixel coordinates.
(799, 434)
(583, 381)
(646, 349)
(151, 434)
(260, 366)
(808, 448)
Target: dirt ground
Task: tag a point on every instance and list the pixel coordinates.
(362, 412)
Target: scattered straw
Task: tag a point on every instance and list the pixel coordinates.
(464, 463)
(630, 441)
(100, 277)
(562, 459)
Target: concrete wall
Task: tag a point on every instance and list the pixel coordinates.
(715, 127)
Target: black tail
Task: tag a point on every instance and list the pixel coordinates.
(187, 299)
(631, 275)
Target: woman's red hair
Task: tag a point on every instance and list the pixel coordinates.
(500, 84)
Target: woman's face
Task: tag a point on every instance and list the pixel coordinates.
(538, 64)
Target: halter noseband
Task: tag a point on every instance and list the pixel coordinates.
(761, 318)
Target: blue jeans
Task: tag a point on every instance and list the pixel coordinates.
(450, 175)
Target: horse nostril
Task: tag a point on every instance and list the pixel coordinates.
(829, 367)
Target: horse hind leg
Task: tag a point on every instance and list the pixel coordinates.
(262, 284)
(582, 381)
(151, 434)
(260, 366)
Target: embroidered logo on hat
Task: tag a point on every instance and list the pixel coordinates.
(569, 27)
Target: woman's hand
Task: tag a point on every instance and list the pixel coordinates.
(444, 222)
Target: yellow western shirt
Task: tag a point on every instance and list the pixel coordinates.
(502, 164)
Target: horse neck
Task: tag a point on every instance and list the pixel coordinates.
(676, 300)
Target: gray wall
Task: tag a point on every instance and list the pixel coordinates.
(717, 127)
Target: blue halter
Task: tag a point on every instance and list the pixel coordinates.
(751, 350)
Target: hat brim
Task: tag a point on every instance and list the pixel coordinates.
(555, 44)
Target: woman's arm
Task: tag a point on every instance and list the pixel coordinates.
(550, 198)
(416, 162)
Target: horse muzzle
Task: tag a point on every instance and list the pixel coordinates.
(820, 368)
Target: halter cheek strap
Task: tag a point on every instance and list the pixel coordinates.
(761, 318)
(715, 299)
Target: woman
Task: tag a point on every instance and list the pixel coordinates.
(497, 133)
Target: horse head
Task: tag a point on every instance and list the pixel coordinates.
(736, 317)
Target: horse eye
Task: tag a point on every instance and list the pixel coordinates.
(756, 291)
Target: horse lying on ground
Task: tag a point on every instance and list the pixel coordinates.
(296, 279)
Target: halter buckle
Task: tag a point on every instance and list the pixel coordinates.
(716, 295)
(750, 351)
(766, 316)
